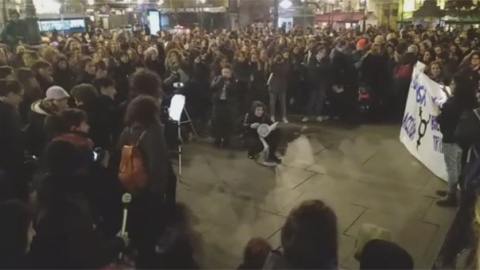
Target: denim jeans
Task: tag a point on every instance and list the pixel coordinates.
(283, 103)
(452, 154)
(315, 102)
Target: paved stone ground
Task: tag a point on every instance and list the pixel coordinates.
(365, 174)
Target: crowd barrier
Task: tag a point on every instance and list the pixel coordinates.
(420, 132)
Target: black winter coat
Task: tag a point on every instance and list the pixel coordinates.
(66, 237)
(242, 71)
(84, 77)
(37, 134)
(343, 70)
(12, 145)
(65, 78)
(448, 120)
(318, 73)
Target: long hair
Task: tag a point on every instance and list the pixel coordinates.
(144, 110)
(28, 81)
(16, 219)
(464, 92)
(309, 236)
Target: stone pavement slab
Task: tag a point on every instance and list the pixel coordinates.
(364, 174)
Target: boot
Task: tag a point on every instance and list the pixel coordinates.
(449, 201)
(442, 193)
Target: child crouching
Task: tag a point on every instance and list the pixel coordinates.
(256, 143)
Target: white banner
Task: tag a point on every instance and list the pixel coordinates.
(420, 132)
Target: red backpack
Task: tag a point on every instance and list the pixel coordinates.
(132, 171)
(404, 72)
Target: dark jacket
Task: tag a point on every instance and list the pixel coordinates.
(101, 187)
(448, 120)
(121, 74)
(84, 77)
(109, 123)
(93, 115)
(64, 77)
(343, 70)
(279, 80)
(13, 32)
(43, 83)
(156, 66)
(66, 237)
(15, 261)
(37, 135)
(318, 73)
(154, 151)
(12, 146)
(276, 260)
(375, 72)
(242, 71)
(220, 85)
(251, 118)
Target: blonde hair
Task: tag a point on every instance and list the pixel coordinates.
(477, 229)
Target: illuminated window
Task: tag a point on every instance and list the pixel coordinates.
(46, 6)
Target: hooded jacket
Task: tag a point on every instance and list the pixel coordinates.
(251, 118)
(37, 134)
(11, 142)
(67, 237)
(63, 77)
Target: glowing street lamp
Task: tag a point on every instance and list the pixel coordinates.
(286, 4)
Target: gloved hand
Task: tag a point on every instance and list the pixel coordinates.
(254, 125)
(124, 238)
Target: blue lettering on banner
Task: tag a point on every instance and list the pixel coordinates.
(408, 124)
(437, 144)
(434, 123)
(421, 91)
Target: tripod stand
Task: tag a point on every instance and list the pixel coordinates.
(176, 110)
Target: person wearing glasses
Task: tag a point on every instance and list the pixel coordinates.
(11, 142)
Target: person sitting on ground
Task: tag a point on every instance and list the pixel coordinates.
(16, 232)
(56, 101)
(381, 254)
(255, 254)
(309, 239)
(256, 143)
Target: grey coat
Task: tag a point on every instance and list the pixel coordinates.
(153, 148)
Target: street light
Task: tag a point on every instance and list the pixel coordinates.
(201, 3)
(286, 4)
(365, 14)
(304, 15)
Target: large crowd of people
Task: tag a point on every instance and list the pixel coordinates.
(75, 108)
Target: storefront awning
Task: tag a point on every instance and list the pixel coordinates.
(350, 17)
